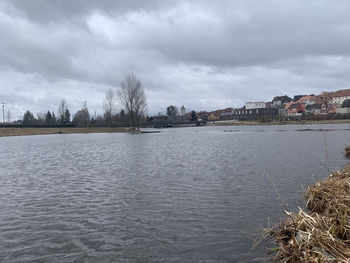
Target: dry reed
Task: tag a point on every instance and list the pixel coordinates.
(347, 151)
(323, 233)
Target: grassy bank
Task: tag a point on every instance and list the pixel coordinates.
(321, 232)
(239, 123)
(39, 131)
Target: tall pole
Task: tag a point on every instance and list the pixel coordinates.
(3, 113)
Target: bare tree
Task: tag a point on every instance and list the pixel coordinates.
(41, 117)
(85, 113)
(28, 119)
(8, 116)
(109, 106)
(62, 107)
(67, 117)
(172, 111)
(133, 98)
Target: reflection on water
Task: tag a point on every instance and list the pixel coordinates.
(182, 195)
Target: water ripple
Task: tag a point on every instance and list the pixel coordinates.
(183, 195)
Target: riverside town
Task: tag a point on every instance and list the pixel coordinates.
(325, 106)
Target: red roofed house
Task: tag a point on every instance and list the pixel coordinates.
(336, 97)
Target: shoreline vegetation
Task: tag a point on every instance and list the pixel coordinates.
(321, 231)
(22, 131)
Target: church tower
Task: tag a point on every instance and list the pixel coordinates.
(183, 111)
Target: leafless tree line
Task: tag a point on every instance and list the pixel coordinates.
(133, 98)
(130, 99)
(109, 106)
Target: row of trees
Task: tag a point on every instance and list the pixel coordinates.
(173, 111)
(48, 119)
(131, 97)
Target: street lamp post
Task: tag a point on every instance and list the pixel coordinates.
(3, 113)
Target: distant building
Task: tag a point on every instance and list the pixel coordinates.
(266, 114)
(183, 111)
(341, 97)
(165, 120)
(308, 100)
(282, 112)
(297, 97)
(295, 108)
(345, 108)
(202, 115)
(227, 113)
(346, 103)
(343, 111)
(280, 101)
(336, 97)
(314, 109)
(309, 105)
(221, 114)
(328, 109)
(255, 105)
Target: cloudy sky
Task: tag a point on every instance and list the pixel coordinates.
(204, 54)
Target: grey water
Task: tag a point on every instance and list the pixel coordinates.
(182, 195)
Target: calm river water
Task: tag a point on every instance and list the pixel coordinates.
(182, 195)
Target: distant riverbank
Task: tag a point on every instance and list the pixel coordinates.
(240, 123)
(18, 131)
(22, 131)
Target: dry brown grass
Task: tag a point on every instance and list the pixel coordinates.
(39, 131)
(347, 151)
(323, 233)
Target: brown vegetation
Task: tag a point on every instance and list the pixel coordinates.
(39, 131)
(323, 233)
(347, 151)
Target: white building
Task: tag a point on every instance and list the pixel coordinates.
(255, 105)
(336, 97)
(340, 99)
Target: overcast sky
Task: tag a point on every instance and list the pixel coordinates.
(205, 55)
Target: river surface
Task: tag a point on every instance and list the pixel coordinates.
(182, 195)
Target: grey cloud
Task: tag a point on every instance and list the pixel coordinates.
(43, 11)
(204, 54)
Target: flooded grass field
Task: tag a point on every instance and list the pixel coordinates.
(181, 195)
